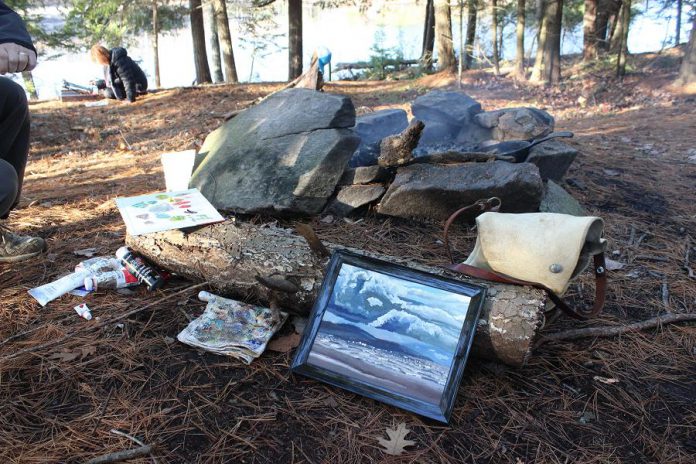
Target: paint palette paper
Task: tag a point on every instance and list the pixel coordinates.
(157, 212)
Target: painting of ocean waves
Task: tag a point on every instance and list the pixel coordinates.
(390, 333)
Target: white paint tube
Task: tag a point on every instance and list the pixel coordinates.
(60, 287)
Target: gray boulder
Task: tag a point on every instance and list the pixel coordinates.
(516, 123)
(364, 175)
(284, 155)
(372, 128)
(557, 200)
(351, 198)
(436, 191)
(553, 159)
(445, 114)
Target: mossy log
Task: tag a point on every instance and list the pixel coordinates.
(265, 263)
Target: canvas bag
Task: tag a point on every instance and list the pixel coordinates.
(544, 250)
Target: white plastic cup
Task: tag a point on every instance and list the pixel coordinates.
(178, 167)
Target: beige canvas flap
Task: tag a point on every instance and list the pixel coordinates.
(545, 248)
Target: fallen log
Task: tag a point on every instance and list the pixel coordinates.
(267, 263)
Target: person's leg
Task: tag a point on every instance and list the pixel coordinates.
(14, 149)
(14, 132)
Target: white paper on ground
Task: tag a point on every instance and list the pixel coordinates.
(157, 212)
(60, 287)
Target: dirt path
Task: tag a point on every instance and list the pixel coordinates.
(134, 376)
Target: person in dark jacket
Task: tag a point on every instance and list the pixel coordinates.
(17, 54)
(123, 77)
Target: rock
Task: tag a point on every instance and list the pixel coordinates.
(353, 197)
(372, 128)
(553, 159)
(445, 114)
(557, 200)
(516, 123)
(364, 175)
(436, 191)
(284, 155)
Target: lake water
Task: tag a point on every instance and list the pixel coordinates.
(347, 32)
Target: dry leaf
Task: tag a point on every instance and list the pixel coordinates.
(397, 440)
(285, 343)
(606, 380)
(71, 355)
(88, 252)
(614, 265)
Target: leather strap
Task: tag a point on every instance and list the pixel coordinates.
(600, 269)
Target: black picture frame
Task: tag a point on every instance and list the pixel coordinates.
(399, 339)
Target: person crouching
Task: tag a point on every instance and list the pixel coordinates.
(123, 78)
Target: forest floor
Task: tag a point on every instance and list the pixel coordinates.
(598, 400)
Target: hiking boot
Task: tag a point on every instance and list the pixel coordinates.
(15, 247)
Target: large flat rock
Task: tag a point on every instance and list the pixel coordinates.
(553, 158)
(436, 191)
(284, 155)
(516, 123)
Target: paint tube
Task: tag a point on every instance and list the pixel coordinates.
(83, 311)
(53, 290)
(111, 279)
(99, 264)
(140, 268)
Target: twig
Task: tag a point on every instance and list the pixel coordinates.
(665, 294)
(100, 325)
(612, 331)
(135, 440)
(124, 455)
(103, 410)
(689, 271)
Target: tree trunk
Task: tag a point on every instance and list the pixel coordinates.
(519, 59)
(226, 41)
(616, 32)
(294, 39)
(264, 263)
(589, 30)
(606, 10)
(687, 71)
(494, 35)
(470, 33)
(547, 64)
(214, 42)
(443, 35)
(155, 42)
(428, 36)
(29, 85)
(200, 56)
(677, 38)
(622, 52)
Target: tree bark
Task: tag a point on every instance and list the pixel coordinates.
(687, 71)
(294, 39)
(226, 41)
(677, 38)
(547, 63)
(264, 263)
(617, 31)
(155, 41)
(589, 30)
(200, 57)
(443, 35)
(622, 52)
(470, 33)
(494, 35)
(214, 42)
(428, 36)
(519, 58)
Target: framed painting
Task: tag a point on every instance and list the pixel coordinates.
(391, 333)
